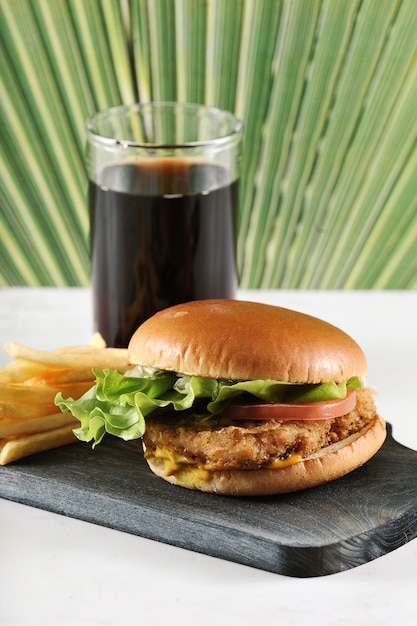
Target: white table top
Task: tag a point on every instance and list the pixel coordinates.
(57, 570)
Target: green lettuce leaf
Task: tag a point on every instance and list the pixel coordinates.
(118, 404)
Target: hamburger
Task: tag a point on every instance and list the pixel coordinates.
(238, 398)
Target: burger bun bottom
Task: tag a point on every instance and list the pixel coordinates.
(329, 464)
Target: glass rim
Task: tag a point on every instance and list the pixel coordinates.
(236, 127)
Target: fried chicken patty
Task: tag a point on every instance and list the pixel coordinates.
(221, 444)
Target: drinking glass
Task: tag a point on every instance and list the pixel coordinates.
(163, 200)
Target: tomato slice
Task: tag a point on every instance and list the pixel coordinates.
(292, 412)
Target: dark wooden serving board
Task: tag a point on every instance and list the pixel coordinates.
(320, 531)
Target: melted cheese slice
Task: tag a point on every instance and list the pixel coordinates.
(174, 463)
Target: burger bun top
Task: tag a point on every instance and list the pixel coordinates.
(238, 340)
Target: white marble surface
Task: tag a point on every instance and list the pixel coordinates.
(57, 570)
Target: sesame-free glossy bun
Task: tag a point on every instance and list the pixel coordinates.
(329, 464)
(238, 340)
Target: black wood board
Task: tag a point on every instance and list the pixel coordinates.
(315, 532)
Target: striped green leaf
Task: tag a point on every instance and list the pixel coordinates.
(327, 90)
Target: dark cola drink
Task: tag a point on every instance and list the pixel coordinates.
(162, 232)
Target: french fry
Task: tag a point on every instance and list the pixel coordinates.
(29, 420)
(41, 394)
(64, 376)
(32, 373)
(96, 343)
(10, 427)
(115, 358)
(21, 370)
(12, 449)
(97, 340)
(16, 411)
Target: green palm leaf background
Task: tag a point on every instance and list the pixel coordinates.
(328, 93)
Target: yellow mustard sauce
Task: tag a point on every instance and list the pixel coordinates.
(174, 463)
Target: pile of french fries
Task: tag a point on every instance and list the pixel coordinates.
(30, 422)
